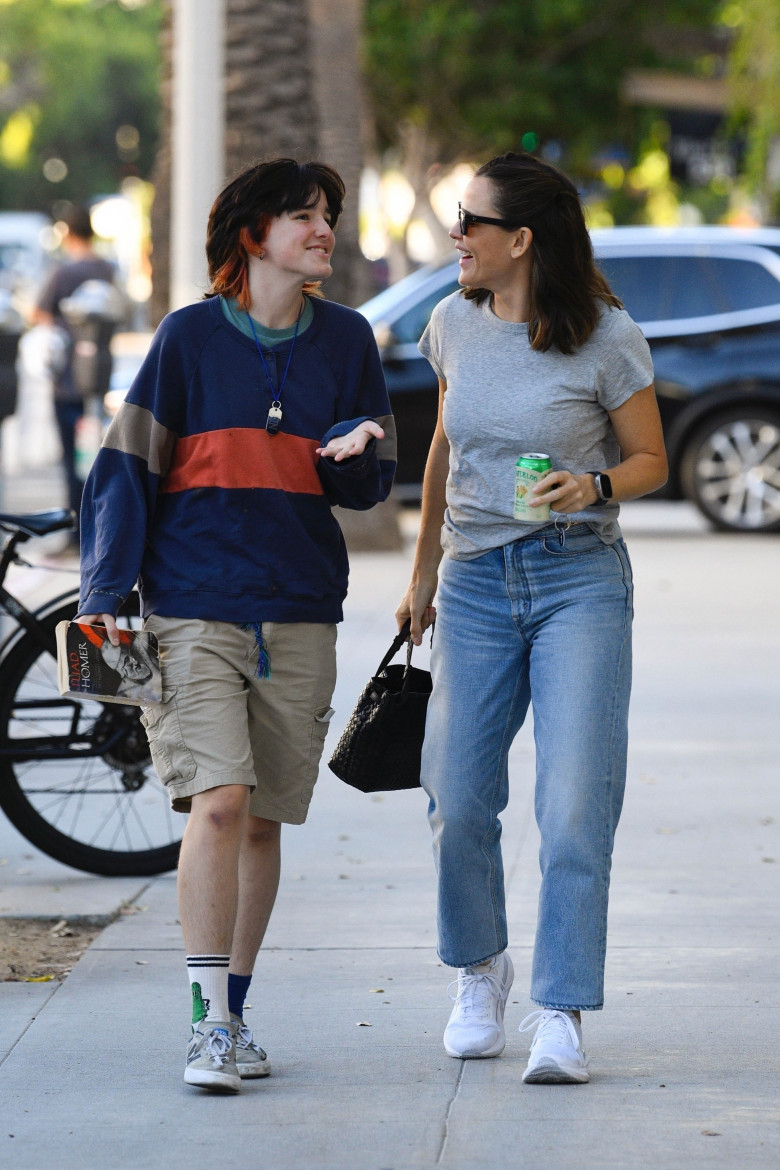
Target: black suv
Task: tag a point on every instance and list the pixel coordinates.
(708, 301)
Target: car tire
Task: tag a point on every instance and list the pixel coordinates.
(731, 470)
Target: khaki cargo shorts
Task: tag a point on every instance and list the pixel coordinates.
(221, 724)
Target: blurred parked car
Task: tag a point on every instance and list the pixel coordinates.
(23, 261)
(708, 301)
(24, 258)
(11, 329)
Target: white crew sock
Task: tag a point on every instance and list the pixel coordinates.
(208, 976)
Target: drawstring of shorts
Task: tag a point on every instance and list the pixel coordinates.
(263, 657)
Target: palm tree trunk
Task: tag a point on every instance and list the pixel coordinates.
(292, 87)
(343, 132)
(270, 108)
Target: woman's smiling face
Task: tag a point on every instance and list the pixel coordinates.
(484, 255)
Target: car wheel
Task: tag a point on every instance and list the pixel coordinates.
(731, 470)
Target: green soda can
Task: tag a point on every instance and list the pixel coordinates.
(529, 469)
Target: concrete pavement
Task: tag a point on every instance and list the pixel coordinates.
(350, 999)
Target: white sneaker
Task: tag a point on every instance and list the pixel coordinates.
(251, 1060)
(476, 1025)
(211, 1057)
(557, 1056)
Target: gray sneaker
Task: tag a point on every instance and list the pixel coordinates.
(211, 1057)
(251, 1060)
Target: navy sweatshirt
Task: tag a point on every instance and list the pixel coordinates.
(212, 515)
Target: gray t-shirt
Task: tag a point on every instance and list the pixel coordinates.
(505, 398)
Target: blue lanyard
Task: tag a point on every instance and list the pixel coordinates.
(275, 413)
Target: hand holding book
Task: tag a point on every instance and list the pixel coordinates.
(90, 663)
(101, 619)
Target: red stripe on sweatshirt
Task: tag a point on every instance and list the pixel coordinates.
(244, 457)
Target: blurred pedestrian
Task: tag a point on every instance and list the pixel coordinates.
(255, 411)
(82, 264)
(535, 355)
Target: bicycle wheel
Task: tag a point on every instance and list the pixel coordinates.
(76, 777)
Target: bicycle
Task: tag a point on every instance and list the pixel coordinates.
(76, 776)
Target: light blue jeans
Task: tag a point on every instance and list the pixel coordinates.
(545, 620)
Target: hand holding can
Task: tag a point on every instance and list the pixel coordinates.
(530, 468)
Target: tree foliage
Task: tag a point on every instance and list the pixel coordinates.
(79, 87)
(755, 80)
(476, 76)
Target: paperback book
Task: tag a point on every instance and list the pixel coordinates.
(89, 665)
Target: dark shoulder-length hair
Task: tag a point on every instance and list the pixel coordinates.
(242, 214)
(566, 286)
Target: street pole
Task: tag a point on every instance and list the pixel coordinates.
(198, 139)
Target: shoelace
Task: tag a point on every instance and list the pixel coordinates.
(244, 1039)
(218, 1047)
(476, 990)
(557, 1026)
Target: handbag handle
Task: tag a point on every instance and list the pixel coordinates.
(398, 641)
(403, 635)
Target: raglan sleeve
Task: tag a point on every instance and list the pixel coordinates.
(363, 480)
(121, 489)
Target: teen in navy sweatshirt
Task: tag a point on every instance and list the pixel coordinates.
(254, 412)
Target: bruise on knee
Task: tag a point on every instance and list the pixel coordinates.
(223, 808)
(261, 832)
(223, 819)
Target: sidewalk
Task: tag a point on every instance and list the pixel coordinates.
(350, 999)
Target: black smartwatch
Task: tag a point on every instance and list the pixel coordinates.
(603, 485)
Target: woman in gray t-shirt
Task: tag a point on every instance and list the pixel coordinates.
(536, 355)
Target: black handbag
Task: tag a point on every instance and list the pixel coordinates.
(379, 750)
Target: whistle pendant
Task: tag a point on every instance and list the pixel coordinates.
(274, 420)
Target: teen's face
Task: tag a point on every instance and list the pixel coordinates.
(300, 243)
(484, 255)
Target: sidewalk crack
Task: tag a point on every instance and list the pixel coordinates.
(31, 1021)
(446, 1130)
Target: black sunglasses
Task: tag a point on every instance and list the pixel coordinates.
(466, 219)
